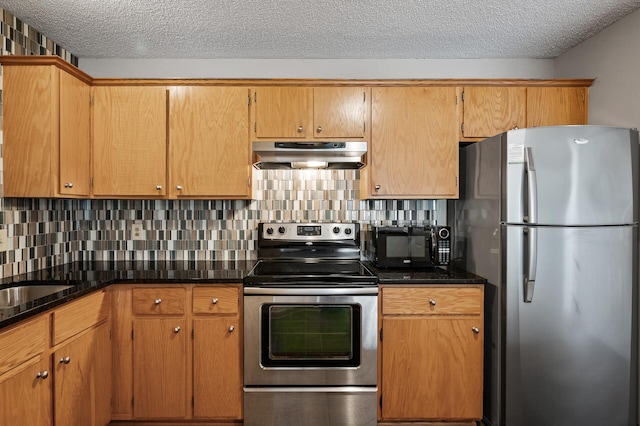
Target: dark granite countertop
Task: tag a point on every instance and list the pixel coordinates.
(86, 277)
(439, 275)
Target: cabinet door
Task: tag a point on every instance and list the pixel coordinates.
(409, 365)
(130, 141)
(283, 112)
(30, 130)
(554, 106)
(75, 136)
(217, 373)
(83, 380)
(414, 142)
(339, 112)
(488, 111)
(209, 141)
(159, 368)
(459, 368)
(25, 397)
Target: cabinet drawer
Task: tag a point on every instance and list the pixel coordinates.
(79, 315)
(22, 342)
(433, 300)
(215, 300)
(159, 301)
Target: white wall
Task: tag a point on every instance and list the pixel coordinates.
(318, 68)
(613, 58)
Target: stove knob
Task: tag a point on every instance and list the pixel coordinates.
(336, 230)
(282, 230)
(270, 231)
(347, 231)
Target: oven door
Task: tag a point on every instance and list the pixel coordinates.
(310, 336)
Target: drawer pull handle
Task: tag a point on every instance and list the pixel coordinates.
(432, 302)
(176, 330)
(158, 301)
(42, 375)
(231, 328)
(65, 360)
(475, 330)
(215, 301)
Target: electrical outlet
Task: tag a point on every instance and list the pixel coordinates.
(3, 239)
(137, 233)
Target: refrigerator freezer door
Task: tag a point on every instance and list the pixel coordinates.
(583, 175)
(568, 352)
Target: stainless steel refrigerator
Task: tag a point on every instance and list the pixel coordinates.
(549, 216)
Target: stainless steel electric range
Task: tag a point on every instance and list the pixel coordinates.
(310, 328)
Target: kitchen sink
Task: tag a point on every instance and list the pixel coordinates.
(14, 296)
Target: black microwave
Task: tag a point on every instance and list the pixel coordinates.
(411, 246)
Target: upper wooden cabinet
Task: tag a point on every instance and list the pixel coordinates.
(414, 144)
(553, 106)
(46, 147)
(486, 111)
(130, 141)
(209, 152)
(489, 110)
(307, 113)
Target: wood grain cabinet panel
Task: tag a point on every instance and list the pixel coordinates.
(311, 113)
(215, 300)
(209, 153)
(83, 379)
(160, 368)
(22, 342)
(46, 124)
(217, 369)
(431, 361)
(554, 106)
(130, 141)
(414, 143)
(25, 397)
(489, 110)
(159, 301)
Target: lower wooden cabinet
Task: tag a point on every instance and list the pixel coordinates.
(431, 353)
(179, 360)
(83, 378)
(25, 397)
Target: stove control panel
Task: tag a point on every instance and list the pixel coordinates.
(309, 231)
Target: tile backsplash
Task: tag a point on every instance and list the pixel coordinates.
(47, 232)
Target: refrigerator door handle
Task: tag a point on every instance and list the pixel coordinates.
(532, 263)
(532, 187)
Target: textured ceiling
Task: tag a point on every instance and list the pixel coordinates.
(319, 29)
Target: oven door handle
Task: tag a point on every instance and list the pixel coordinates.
(334, 291)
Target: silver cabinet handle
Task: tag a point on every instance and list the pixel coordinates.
(157, 301)
(179, 187)
(158, 187)
(432, 302)
(65, 360)
(176, 330)
(300, 129)
(231, 328)
(377, 187)
(319, 129)
(42, 375)
(68, 185)
(475, 330)
(215, 301)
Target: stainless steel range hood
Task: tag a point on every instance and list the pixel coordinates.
(318, 155)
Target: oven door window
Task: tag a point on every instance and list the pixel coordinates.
(309, 335)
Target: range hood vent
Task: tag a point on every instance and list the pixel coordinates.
(313, 155)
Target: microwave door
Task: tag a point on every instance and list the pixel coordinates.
(397, 248)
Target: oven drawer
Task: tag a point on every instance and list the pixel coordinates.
(310, 406)
(215, 300)
(159, 301)
(466, 300)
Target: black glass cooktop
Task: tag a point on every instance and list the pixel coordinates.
(328, 271)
